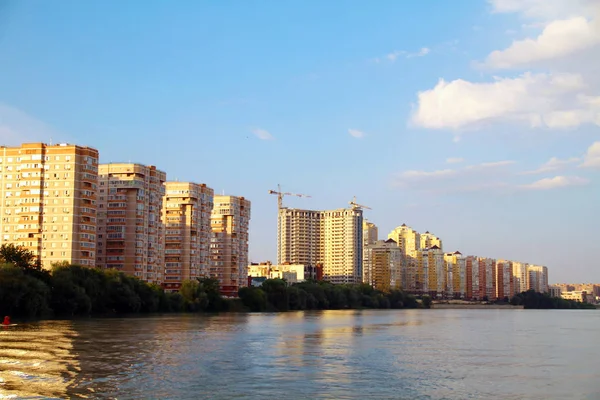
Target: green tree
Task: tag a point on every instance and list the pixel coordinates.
(253, 298)
(426, 301)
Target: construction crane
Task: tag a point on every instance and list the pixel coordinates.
(281, 194)
(356, 206)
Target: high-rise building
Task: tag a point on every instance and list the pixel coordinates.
(48, 201)
(455, 266)
(130, 231)
(186, 214)
(230, 219)
(370, 233)
(331, 238)
(382, 266)
(433, 262)
(538, 278)
(343, 245)
(300, 236)
(428, 239)
(472, 278)
(487, 278)
(409, 242)
(520, 277)
(504, 279)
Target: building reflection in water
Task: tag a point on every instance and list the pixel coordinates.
(37, 360)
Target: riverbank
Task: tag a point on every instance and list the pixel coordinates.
(472, 305)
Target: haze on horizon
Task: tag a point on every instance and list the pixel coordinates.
(478, 121)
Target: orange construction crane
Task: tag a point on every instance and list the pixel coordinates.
(281, 194)
(356, 206)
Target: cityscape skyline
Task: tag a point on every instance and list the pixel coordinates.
(472, 125)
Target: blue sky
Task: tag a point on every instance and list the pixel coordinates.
(476, 120)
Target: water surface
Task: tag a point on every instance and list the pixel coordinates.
(384, 354)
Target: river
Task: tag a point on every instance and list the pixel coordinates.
(379, 354)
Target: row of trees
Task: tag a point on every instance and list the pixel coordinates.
(535, 300)
(276, 295)
(27, 290)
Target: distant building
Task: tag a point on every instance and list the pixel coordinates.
(504, 279)
(186, 215)
(472, 278)
(292, 273)
(230, 220)
(487, 278)
(383, 265)
(409, 242)
(455, 267)
(555, 291)
(538, 278)
(48, 196)
(520, 277)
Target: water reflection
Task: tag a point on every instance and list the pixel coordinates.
(37, 360)
(400, 354)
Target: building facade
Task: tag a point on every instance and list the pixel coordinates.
(383, 265)
(300, 236)
(186, 215)
(520, 277)
(230, 221)
(48, 201)
(538, 278)
(130, 231)
(343, 245)
(505, 288)
(409, 242)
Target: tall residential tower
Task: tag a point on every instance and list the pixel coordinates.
(48, 201)
(130, 232)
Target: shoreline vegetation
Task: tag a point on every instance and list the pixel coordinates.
(69, 291)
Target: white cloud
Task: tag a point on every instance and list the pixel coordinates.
(552, 165)
(262, 134)
(467, 178)
(545, 10)
(394, 55)
(566, 95)
(356, 133)
(17, 127)
(592, 157)
(559, 39)
(537, 100)
(556, 182)
(454, 160)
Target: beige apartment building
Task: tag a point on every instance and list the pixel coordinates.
(48, 201)
(456, 273)
(230, 220)
(299, 236)
(343, 245)
(382, 265)
(428, 239)
(331, 238)
(537, 278)
(130, 232)
(186, 214)
(409, 241)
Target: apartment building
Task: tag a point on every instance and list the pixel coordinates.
(343, 245)
(130, 232)
(230, 220)
(300, 236)
(538, 278)
(409, 241)
(433, 259)
(428, 239)
(186, 215)
(520, 277)
(487, 278)
(48, 201)
(455, 268)
(331, 238)
(383, 265)
(472, 278)
(370, 233)
(504, 279)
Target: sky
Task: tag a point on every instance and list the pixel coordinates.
(476, 120)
